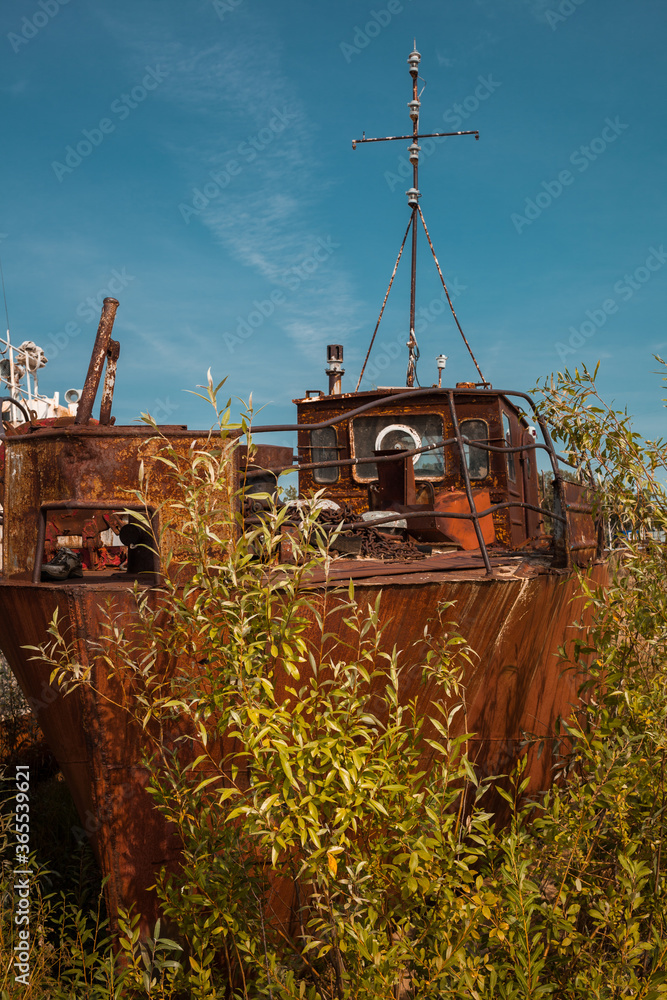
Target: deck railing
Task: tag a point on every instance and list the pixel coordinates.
(459, 441)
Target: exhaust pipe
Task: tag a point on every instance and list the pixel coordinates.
(100, 348)
(334, 368)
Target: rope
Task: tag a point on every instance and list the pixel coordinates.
(421, 216)
(377, 325)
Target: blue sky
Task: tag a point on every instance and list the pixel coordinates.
(195, 159)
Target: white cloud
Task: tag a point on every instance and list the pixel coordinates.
(236, 88)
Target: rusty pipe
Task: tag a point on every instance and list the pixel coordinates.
(113, 353)
(100, 348)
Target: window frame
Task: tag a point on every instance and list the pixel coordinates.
(398, 418)
(477, 420)
(46, 508)
(327, 468)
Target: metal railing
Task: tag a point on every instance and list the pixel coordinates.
(18, 376)
(459, 441)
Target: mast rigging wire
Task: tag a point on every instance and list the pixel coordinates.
(377, 325)
(456, 320)
(444, 285)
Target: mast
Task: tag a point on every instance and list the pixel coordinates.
(413, 195)
(413, 199)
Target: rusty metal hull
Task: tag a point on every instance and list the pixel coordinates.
(515, 684)
(98, 753)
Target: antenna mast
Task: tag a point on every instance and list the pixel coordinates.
(413, 200)
(414, 195)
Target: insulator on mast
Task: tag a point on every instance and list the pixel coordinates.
(413, 62)
(414, 109)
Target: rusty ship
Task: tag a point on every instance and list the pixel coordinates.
(438, 493)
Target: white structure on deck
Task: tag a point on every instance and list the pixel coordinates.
(18, 380)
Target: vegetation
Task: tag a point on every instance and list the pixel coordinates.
(292, 777)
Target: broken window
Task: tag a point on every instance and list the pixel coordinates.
(400, 432)
(507, 431)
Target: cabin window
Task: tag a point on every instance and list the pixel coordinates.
(477, 459)
(324, 448)
(400, 432)
(507, 431)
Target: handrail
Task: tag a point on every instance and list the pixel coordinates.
(411, 394)
(393, 396)
(399, 515)
(407, 453)
(459, 440)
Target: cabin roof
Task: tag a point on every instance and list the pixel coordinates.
(391, 390)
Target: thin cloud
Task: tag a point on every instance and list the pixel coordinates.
(237, 87)
(267, 228)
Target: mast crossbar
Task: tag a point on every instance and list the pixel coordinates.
(423, 135)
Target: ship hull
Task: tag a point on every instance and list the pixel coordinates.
(515, 684)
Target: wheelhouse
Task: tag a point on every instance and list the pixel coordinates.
(423, 449)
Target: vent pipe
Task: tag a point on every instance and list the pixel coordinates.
(334, 368)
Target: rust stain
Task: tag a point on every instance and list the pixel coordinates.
(113, 353)
(91, 465)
